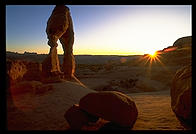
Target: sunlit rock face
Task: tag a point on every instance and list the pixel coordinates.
(19, 73)
(15, 70)
(49, 67)
(19, 70)
(183, 42)
(59, 27)
(112, 106)
(181, 94)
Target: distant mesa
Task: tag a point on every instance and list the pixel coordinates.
(9, 52)
(30, 53)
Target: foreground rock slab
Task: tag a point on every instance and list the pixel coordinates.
(46, 111)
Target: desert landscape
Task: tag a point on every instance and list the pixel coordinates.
(34, 104)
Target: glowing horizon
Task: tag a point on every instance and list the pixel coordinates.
(101, 30)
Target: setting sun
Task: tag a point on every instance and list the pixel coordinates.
(153, 54)
(152, 58)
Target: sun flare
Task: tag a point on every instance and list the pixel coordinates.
(153, 54)
(152, 58)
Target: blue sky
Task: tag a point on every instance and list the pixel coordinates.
(101, 29)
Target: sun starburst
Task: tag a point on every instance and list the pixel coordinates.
(153, 55)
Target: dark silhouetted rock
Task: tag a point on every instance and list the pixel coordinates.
(112, 106)
(30, 53)
(181, 94)
(77, 118)
(183, 42)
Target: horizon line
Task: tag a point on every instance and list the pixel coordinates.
(78, 54)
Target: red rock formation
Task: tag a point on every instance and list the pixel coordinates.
(59, 26)
(34, 70)
(18, 70)
(24, 76)
(15, 71)
(181, 94)
(112, 106)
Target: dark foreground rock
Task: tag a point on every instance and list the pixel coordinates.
(112, 106)
(183, 42)
(77, 118)
(181, 94)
